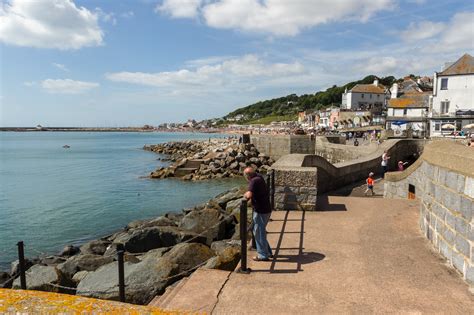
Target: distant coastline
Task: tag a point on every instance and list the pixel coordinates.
(103, 129)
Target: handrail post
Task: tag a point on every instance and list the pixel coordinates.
(272, 190)
(121, 278)
(21, 264)
(243, 237)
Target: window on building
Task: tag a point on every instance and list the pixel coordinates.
(445, 107)
(362, 95)
(444, 84)
(437, 126)
(378, 95)
(370, 96)
(405, 111)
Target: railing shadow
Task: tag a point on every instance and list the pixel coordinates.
(299, 259)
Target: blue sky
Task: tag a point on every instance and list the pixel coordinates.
(135, 62)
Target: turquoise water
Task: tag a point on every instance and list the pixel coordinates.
(51, 196)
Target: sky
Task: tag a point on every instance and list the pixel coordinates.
(134, 62)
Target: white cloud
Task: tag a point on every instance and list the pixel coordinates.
(226, 73)
(60, 66)
(422, 30)
(459, 34)
(377, 65)
(107, 17)
(179, 8)
(276, 17)
(48, 24)
(67, 86)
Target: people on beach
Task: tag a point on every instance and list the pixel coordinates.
(260, 197)
(370, 184)
(356, 142)
(385, 158)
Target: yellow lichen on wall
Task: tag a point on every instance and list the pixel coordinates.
(38, 302)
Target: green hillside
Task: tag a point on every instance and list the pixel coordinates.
(290, 105)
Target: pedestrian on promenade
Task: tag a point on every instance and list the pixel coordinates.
(385, 158)
(258, 193)
(401, 166)
(370, 184)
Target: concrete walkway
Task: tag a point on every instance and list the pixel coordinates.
(366, 255)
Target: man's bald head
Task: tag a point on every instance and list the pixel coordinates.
(249, 172)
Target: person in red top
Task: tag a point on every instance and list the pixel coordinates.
(370, 184)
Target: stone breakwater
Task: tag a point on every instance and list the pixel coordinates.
(200, 160)
(158, 253)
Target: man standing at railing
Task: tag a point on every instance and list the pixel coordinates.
(258, 193)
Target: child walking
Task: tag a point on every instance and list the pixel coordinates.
(370, 184)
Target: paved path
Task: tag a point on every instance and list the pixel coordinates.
(365, 256)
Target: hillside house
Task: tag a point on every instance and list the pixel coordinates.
(365, 97)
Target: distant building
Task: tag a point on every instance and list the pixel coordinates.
(365, 97)
(407, 109)
(453, 96)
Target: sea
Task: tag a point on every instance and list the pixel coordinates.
(51, 196)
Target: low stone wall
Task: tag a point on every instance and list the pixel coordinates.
(334, 176)
(337, 153)
(277, 146)
(443, 181)
(295, 187)
(299, 178)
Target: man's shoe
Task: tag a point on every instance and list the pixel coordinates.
(256, 258)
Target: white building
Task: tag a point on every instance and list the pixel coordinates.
(407, 109)
(453, 97)
(365, 97)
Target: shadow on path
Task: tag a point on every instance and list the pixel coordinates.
(296, 260)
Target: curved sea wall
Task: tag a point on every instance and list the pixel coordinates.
(299, 178)
(442, 179)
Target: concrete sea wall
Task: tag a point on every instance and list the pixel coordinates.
(442, 180)
(299, 178)
(277, 146)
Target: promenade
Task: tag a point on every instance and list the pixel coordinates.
(362, 255)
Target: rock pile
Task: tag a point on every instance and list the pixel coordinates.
(158, 252)
(203, 160)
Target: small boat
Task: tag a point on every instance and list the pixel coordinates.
(66, 146)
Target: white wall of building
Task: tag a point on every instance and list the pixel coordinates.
(459, 93)
(408, 112)
(354, 99)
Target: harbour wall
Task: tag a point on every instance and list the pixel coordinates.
(442, 179)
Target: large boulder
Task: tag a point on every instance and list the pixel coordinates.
(78, 276)
(96, 247)
(15, 265)
(52, 260)
(223, 198)
(44, 278)
(208, 222)
(160, 221)
(228, 255)
(5, 280)
(69, 250)
(148, 278)
(86, 262)
(142, 240)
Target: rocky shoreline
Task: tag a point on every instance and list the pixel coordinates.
(201, 160)
(158, 253)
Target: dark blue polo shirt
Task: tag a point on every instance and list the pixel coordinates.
(260, 194)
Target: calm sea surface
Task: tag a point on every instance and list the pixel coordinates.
(50, 196)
